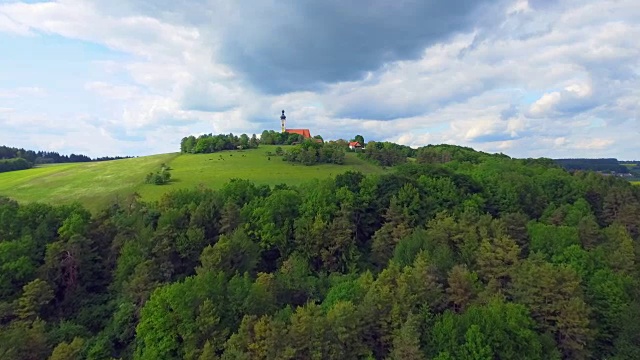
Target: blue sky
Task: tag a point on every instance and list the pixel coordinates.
(527, 78)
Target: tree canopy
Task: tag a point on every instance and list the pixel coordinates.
(458, 255)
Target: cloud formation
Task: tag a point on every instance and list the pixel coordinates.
(527, 78)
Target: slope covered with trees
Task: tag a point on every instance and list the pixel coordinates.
(463, 256)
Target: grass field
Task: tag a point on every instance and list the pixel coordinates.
(636, 183)
(96, 184)
(92, 184)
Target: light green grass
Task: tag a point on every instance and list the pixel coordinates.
(630, 166)
(96, 184)
(92, 184)
(636, 183)
(190, 170)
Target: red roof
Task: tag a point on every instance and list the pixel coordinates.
(354, 143)
(304, 132)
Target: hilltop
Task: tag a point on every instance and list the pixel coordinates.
(95, 184)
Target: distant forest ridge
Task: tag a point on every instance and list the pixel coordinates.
(602, 165)
(19, 159)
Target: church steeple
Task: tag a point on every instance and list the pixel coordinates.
(283, 121)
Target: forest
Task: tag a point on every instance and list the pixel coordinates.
(458, 255)
(604, 165)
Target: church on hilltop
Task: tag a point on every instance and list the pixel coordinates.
(304, 132)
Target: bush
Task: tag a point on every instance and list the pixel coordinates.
(160, 177)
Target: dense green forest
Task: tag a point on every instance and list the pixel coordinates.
(458, 255)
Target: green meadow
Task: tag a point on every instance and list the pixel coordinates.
(92, 184)
(98, 183)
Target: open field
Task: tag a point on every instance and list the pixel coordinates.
(96, 184)
(211, 170)
(636, 183)
(92, 184)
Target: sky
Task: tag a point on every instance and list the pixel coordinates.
(527, 78)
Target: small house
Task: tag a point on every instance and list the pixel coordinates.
(353, 145)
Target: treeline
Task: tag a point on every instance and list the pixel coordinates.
(487, 258)
(14, 164)
(110, 158)
(602, 165)
(311, 152)
(20, 159)
(390, 154)
(387, 153)
(270, 137)
(40, 157)
(209, 143)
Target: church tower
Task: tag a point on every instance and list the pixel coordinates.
(283, 121)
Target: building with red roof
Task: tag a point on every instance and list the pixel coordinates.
(304, 132)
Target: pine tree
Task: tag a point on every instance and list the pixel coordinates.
(406, 342)
(463, 287)
(475, 346)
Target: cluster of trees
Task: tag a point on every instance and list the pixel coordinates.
(490, 258)
(160, 177)
(603, 165)
(270, 137)
(441, 154)
(209, 143)
(311, 152)
(387, 153)
(14, 164)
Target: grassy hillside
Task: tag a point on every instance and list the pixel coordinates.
(216, 169)
(92, 184)
(95, 184)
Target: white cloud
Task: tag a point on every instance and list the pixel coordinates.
(530, 83)
(592, 144)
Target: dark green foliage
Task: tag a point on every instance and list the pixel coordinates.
(14, 164)
(604, 165)
(311, 152)
(19, 159)
(386, 153)
(209, 143)
(458, 255)
(270, 137)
